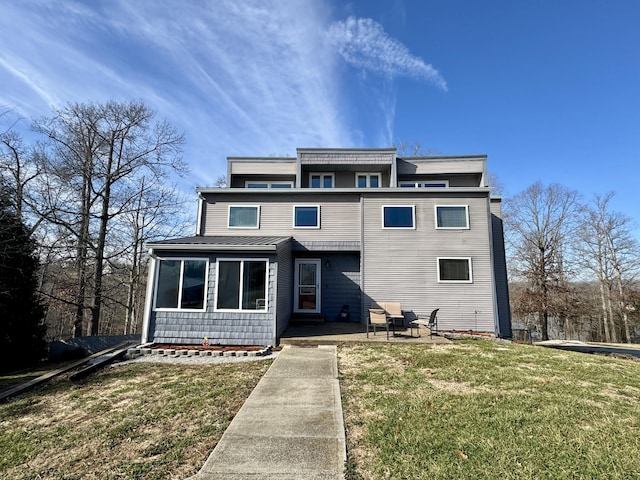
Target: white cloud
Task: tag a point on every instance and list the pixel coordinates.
(363, 43)
(257, 77)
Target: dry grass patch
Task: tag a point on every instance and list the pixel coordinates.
(144, 420)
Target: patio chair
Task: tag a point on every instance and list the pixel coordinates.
(431, 323)
(377, 318)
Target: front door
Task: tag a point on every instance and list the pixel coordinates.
(307, 286)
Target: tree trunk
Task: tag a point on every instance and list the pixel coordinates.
(82, 251)
(605, 319)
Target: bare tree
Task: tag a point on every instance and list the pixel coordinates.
(97, 148)
(538, 222)
(414, 149)
(156, 213)
(607, 247)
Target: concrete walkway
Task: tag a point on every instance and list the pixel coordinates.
(291, 425)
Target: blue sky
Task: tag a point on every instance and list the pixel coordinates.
(549, 89)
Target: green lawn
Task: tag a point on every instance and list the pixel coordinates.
(487, 410)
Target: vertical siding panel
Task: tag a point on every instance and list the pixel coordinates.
(285, 289)
(500, 269)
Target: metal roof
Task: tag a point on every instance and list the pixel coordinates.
(199, 242)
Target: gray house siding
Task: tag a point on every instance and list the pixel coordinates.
(225, 328)
(339, 216)
(284, 293)
(500, 269)
(401, 265)
(341, 285)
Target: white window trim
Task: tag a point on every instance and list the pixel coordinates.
(435, 212)
(423, 184)
(240, 310)
(307, 227)
(413, 217)
(468, 259)
(369, 175)
(245, 206)
(178, 309)
(269, 183)
(322, 175)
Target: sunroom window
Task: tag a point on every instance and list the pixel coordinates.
(452, 216)
(454, 270)
(181, 284)
(398, 216)
(244, 216)
(241, 285)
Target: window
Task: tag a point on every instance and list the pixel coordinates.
(364, 180)
(241, 285)
(429, 184)
(398, 216)
(244, 216)
(306, 216)
(251, 184)
(452, 216)
(321, 180)
(455, 270)
(181, 284)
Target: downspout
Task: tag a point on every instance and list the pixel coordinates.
(146, 321)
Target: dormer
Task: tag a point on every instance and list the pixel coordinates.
(346, 167)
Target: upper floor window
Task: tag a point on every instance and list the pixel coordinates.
(321, 180)
(429, 184)
(241, 285)
(398, 216)
(254, 184)
(244, 216)
(181, 284)
(367, 180)
(452, 216)
(306, 216)
(455, 270)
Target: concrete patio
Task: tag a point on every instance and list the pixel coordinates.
(337, 333)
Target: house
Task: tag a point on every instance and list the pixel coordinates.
(290, 237)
